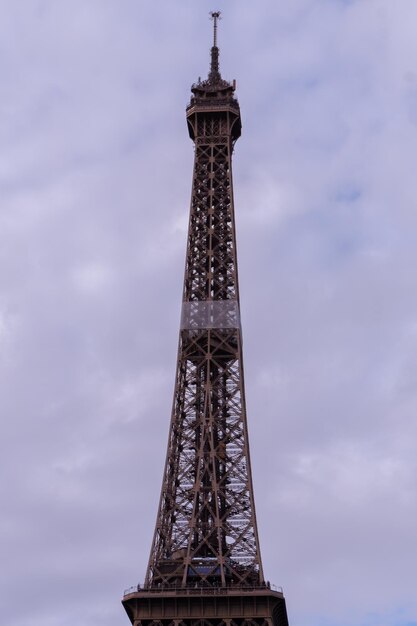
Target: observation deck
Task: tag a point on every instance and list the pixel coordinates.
(170, 604)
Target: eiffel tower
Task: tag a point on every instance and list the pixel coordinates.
(205, 565)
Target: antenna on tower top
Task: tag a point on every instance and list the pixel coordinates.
(214, 75)
(215, 15)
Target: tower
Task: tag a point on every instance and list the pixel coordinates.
(205, 565)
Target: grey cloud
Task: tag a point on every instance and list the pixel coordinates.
(95, 176)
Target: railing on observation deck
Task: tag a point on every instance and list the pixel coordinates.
(210, 102)
(198, 590)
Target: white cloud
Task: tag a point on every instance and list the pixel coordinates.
(92, 277)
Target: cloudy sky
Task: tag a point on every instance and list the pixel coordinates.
(95, 178)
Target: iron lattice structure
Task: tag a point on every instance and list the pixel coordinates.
(206, 538)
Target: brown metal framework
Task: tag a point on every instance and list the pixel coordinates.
(206, 538)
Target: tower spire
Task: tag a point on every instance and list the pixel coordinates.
(215, 15)
(214, 75)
